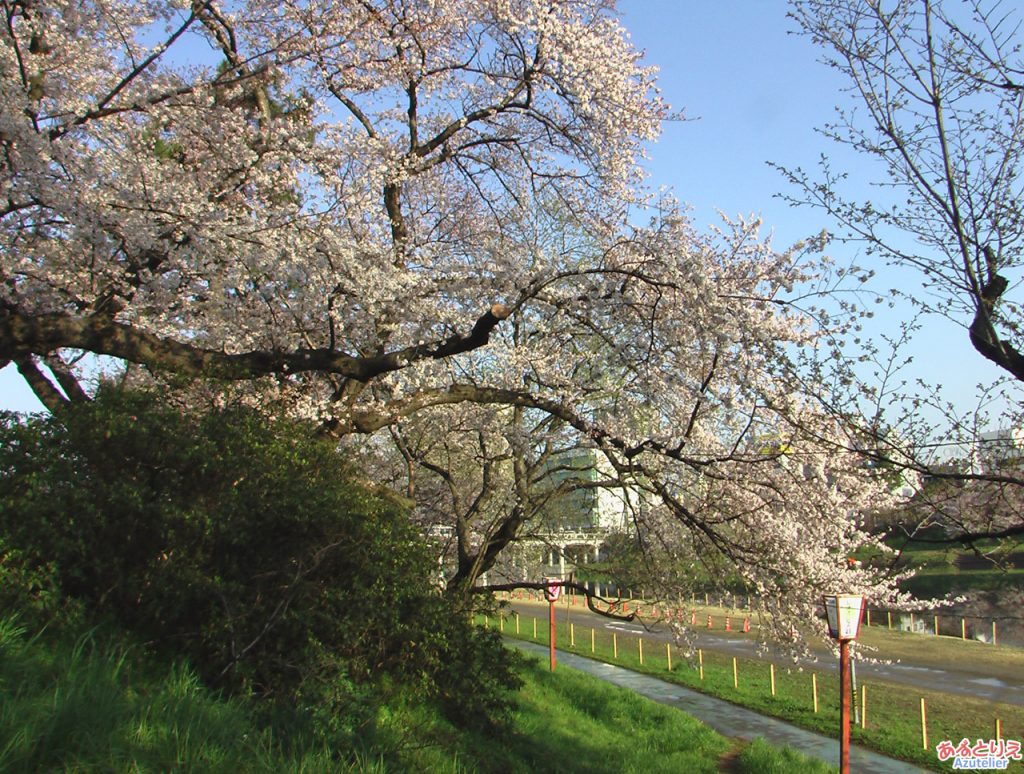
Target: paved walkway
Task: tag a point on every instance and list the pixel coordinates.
(960, 677)
(728, 719)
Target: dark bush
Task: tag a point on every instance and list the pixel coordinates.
(247, 545)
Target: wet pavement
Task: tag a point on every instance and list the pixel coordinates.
(950, 680)
(728, 719)
(947, 680)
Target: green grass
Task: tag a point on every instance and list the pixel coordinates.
(568, 721)
(761, 757)
(89, 703)
(893, 727)
(937, 570)
(973, 657)
(941, 580)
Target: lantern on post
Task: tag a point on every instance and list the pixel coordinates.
(844, 612)
(552, 590)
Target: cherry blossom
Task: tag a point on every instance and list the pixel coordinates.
(390, 212)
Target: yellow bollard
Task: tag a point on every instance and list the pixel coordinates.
(700, 660)
(572, 635)
(668, 655)
(735, 674)
(999, 730)
(534, 628)
(936, 626)
(963, 628)
(501, 624)
(924, 724)
(771, 670)
(592, 643)
(888, 614)
(615, 646)
(517, 623)
(814, 691)
(863, 706)
(640, 645)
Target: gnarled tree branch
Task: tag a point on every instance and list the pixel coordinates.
(22, 335)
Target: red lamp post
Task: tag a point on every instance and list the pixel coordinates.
(552, 591)
(844, 612)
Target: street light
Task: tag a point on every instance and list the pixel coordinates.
(844, 612)
(552, 590)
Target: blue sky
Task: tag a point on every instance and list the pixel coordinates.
(756, 92)
(753, 93)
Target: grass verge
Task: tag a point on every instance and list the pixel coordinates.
(882, 639)
(86, 702)
(893, 711)
(568, 721)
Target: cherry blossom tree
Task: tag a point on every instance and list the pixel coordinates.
(938, 93)
(380, 212)
(361, 154)
(935, 104)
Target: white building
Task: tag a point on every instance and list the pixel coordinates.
(999, 449)
(584, 505)
(584, 508)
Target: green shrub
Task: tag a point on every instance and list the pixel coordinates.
(246, 545)
(32, 588)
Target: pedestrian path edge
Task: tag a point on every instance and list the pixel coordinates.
(728, 719)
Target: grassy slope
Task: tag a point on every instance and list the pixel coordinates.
(86, 704)
(924, 650)
(945, 569)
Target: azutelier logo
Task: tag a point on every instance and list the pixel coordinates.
(993, 754)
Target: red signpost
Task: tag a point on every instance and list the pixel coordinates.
(551, 592)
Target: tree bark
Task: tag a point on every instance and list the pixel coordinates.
(22, 335)
(983, 334)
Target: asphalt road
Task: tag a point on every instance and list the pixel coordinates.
(953, 680)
